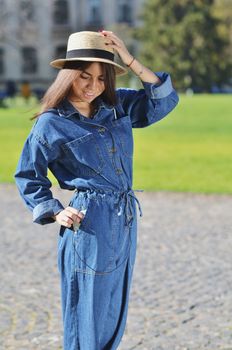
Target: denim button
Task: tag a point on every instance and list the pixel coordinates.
(101, 130)
(119, 171)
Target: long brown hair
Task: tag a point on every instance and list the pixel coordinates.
(62, 85)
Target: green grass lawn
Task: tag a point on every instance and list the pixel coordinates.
(190, 150)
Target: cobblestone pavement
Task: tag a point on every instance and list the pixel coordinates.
(182, 289)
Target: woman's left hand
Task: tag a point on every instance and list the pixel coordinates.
(118, 45)
(136, 67)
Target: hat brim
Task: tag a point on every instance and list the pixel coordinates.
(59, 63)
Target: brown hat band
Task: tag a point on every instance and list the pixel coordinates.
(96, 53)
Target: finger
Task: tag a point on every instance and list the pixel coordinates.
(81, 215)
(71, 215)
(73, 210)
(77, 221)
(113, 43)
(74, 214)
(67, 222)
(63, 223)
(108, 41)
(112, 38)
(113, 46)
(109, 34)
(78, 218)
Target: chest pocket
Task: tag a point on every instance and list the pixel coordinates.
(123, 129)
(85, 155)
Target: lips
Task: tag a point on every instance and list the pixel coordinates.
(88, 95)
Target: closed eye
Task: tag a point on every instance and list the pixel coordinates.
(84, 76)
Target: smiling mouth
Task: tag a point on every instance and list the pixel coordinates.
(88, 94)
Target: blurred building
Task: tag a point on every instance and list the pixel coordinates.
(32, 32)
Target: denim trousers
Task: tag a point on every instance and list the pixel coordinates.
(96, 265)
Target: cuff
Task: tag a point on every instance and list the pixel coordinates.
(157, 91)
(43, 212)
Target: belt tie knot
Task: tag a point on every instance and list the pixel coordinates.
(127, 197)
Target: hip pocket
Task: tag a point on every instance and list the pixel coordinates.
(101, 244)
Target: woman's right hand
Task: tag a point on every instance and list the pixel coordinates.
(68, 216)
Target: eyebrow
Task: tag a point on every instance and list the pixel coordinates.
(84, 71)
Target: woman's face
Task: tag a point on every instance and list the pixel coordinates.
(89, 83)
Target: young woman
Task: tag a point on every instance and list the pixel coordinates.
(83, 134)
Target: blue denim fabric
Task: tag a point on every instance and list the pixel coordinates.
(96, 265)
(61, 140)
(93, 156)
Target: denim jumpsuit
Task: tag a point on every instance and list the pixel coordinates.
(93, 157)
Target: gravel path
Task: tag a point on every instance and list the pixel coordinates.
(182, 288)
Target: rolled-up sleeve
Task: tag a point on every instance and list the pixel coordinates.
(150, 104)
(32, 181)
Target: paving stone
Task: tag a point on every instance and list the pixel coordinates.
(181, 295)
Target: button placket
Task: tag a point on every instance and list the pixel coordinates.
(112, 150)
(119, 171)
(115, 156)
(101, 131)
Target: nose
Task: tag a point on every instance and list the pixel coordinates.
(93, 84)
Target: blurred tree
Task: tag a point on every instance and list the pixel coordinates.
(183, 37)
(126, 32)
(223, 11)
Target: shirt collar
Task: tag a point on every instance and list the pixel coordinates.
(66, 109)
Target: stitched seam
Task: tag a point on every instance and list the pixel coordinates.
(43, 142)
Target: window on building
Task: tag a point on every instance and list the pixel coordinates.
(60, 51)
(3, 16)
(124, 11)
(60, 13)
(3, 6)
(26, 8)
(1, 61)
(29, 60)
(95, 11)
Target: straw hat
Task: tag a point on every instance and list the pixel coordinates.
(87, 46)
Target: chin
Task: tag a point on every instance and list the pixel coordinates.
(88, 99)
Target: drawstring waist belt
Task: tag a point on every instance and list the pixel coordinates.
(125, 199)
